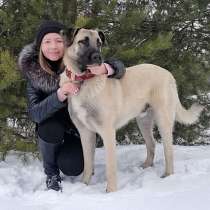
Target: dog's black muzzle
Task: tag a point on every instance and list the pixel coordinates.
(91, 57)
(96, 58)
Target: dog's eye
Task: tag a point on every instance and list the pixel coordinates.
(84, 41)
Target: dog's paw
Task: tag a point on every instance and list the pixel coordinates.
(146, 165)
(86, 179)
(165, 175)
(110, 188)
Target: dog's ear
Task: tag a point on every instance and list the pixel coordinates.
(69, 35)
(76, 30)
(102, 37)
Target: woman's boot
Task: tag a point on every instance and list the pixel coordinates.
(49, 153)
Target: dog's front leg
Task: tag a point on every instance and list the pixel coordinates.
(88, 140)
(108, 136)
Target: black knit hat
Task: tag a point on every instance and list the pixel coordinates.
(46, 27)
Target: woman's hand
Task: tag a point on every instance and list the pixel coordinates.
(104, 68)
(68, 88)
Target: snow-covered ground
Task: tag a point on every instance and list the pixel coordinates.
(22, 185)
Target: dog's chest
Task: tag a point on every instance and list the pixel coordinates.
(85, 106)
(85, 111)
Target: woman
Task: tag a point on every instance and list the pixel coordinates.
(58, 139)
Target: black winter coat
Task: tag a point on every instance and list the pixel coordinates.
(42, 87)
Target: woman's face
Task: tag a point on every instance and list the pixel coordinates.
(52, 46)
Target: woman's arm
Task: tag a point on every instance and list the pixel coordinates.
(39, 109)
(112, 67)
(117, 66)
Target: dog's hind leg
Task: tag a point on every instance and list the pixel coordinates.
(145, 125)
(108, 134)
(165, 123)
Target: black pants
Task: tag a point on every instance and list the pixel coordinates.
(60, 147)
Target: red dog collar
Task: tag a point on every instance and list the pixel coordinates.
(74, 77)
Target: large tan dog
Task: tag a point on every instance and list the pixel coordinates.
(104, 105)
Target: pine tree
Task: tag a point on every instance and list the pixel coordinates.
(172, 34)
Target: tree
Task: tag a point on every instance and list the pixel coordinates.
(172, 34)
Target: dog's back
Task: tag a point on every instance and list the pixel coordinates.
(124, 99)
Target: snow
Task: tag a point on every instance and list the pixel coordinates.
(22, 184)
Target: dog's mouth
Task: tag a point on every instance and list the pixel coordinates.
(86, 68)
(92, 65)
(86, 61)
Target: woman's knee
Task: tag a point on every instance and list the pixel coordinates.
(51, 130)
(70, 158)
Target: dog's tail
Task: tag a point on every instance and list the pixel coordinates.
(185, 116)
(189, 116)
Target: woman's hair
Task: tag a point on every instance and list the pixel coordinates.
(45, 65)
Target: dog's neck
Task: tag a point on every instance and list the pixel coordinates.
(71, 68)
(78, 78)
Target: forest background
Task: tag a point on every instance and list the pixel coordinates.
(170, 33)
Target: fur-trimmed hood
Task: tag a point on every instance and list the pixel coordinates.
(28, 62)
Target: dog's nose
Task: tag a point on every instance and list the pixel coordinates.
(96, 57)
